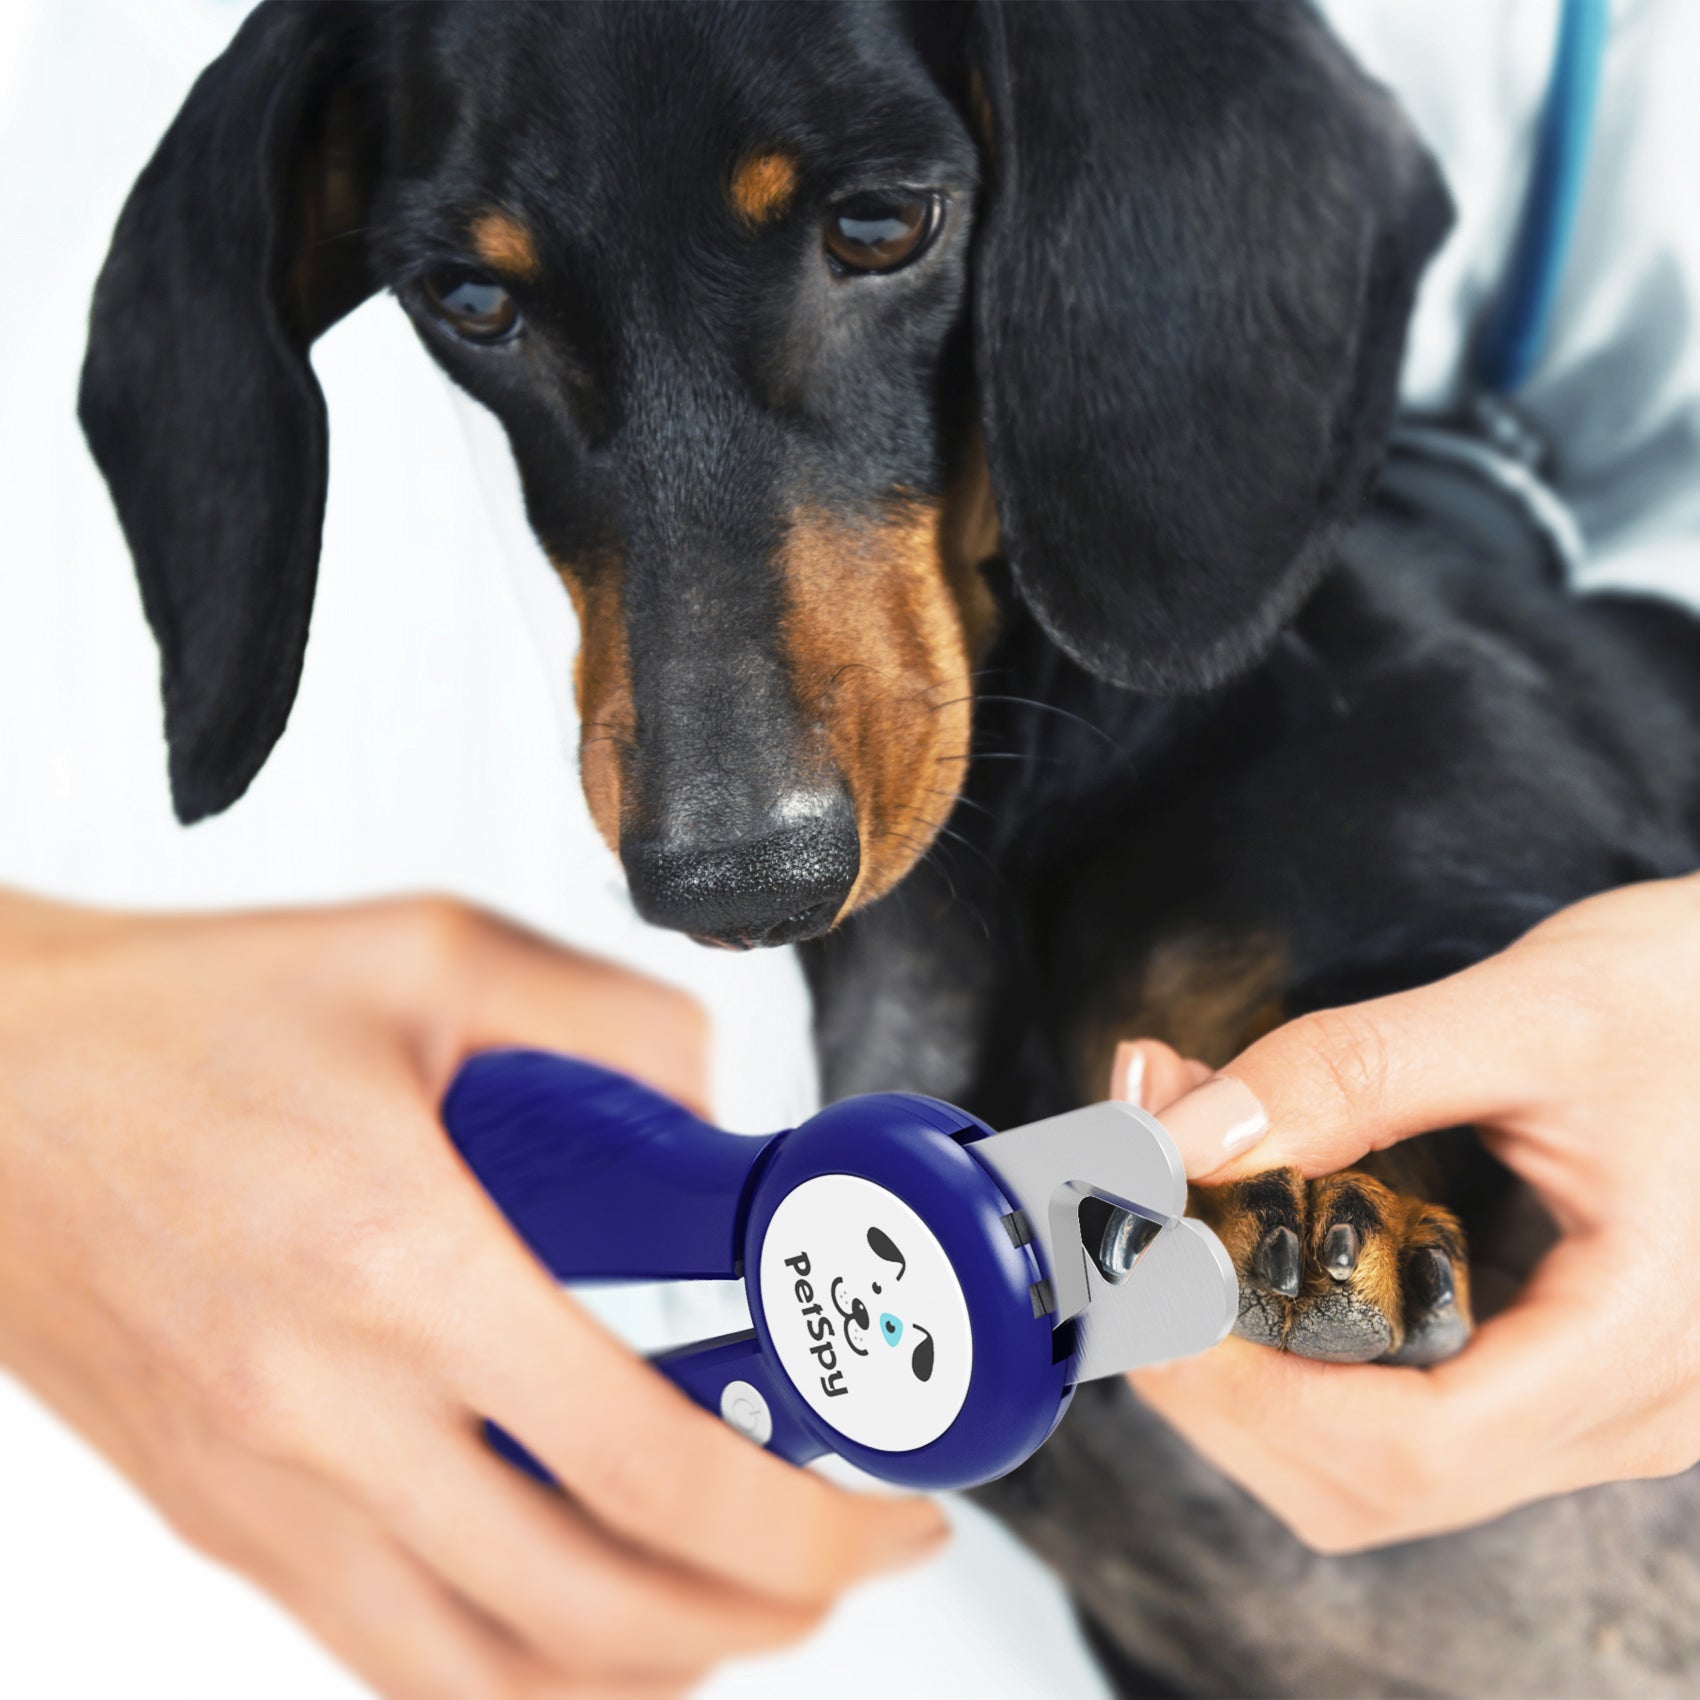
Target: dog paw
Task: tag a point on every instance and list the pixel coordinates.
(1343, 1268)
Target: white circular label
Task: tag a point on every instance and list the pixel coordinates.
(865, 1312)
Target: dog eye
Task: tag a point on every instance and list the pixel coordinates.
(472, 305)
(880, 233)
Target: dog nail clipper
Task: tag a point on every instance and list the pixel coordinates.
(926, 1294)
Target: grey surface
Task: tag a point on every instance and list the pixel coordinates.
(1180, 1297)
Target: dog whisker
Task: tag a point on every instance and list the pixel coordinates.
(910, 893)
(1001, 755)
(941, 831)
(922, 855)
(967, 802)
(1051, 708)
(852, 667)
(341, 235)
(968, 844)
(926, 821)
(953, 680)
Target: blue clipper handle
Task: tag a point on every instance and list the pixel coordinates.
(605, 1179)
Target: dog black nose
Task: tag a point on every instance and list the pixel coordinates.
(784, 881)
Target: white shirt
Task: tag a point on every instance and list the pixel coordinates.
(1617, 391)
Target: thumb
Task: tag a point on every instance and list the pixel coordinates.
(1327, 1088)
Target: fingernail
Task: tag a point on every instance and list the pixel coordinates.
(1127, 1073)
(1214, 1122)
(924, 1545)
(931, 1538)
(924, 1516)
(929, 1534)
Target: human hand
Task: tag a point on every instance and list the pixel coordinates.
(1576, 1054)
(239, 1254)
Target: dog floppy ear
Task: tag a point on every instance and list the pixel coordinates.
(1192, 278)
(239, 244)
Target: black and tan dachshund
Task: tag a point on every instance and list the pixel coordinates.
(960, 429)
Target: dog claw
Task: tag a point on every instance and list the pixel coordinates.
(1430, 1277)
(1437, 1327)
(1275, 1263)
(1340, 1251)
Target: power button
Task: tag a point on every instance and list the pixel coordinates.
(745, 1409)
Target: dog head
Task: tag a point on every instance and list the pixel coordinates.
(795, 317)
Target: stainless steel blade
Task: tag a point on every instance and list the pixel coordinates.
(1180, 1297)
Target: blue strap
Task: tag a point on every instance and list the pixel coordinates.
(1516, 329)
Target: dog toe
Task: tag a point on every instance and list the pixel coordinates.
(1340, 1328)
(1275, 1265)
(1342, 1269)
(1436, 1300)
(1261, 1222)
(1340, 1248)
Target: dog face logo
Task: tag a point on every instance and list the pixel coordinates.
(855, 1315)
(865, 1312)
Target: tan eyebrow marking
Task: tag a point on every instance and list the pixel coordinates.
(505, 245)
(762, 187)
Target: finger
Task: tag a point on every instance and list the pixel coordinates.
(465, 980)
(407, 1635)
(1152, 1075)
(587, 1603)
(1340, 1083)
(523, 990)
(615, 1688)
(1232, 1405)
(400, 1629)
(412, 1637)
(1351, 1456)
(326, 1560)
(1213, 1122)
(1551, 1375)
(651, 1466)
